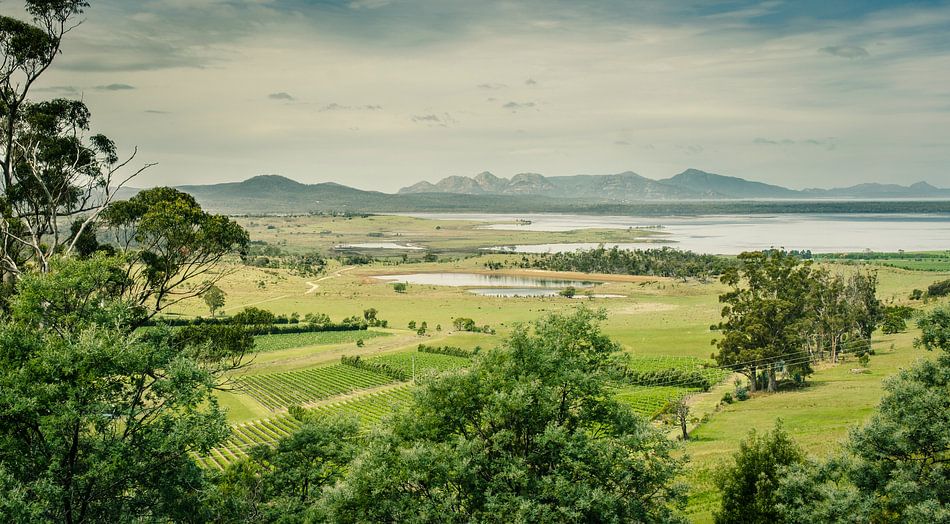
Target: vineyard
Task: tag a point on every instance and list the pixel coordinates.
(263, 343)
(369, 409)
(424, 362)
(650, 401)
(280, 390)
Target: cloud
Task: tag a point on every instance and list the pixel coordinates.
(157, 112)
(829, 143)
(691, 149)
(115, 87)
(491, 86)
(530, 82)
(64, 90)
(621, 143)
(845, 51)
(431, 119)
(281, 96)
(339, 107)
(518, 106)
(368, 4)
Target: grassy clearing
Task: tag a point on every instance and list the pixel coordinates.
(264, 343)
(818, 416)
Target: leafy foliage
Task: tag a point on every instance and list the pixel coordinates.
(174, 242)
(99, 424)
(749, 485)
(526, 434)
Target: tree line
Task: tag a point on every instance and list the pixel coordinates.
(661, 262)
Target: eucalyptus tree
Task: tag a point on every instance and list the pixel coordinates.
(52, 172)
(764, 316)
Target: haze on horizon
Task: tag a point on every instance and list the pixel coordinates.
(380, 94)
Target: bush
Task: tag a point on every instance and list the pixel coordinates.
(742, 393)
(749, 485)
(727, 398)
(939, 289)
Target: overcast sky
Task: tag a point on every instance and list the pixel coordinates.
(379, 94)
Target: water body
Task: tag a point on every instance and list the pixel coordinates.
(733, 234)
(531, 292)
(485, 281)
(380, 245)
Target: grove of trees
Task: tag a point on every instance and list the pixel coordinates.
(783, 314)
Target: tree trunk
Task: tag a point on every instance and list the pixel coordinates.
(772, 382)
(683, 427)
(753, 379)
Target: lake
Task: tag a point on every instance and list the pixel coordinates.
(733, 234)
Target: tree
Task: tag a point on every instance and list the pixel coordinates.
(748, 486)
(529, 433)
(894, 469)
(764, 316)
(568, 292)
(213, 297)
(50, 170)
(681, 414)
(370, 315)
(101, 422)
(170, 240)
(282, 483)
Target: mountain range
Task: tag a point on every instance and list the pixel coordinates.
(690, 192)
(628, 186)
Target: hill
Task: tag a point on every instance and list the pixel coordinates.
(722, 186)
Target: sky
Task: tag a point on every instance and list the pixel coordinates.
(380, 94)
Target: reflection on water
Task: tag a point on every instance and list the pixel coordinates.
(476, 279)
(733, 234)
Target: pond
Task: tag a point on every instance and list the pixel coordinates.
(532, 292)
(380, 245)
(484, 280)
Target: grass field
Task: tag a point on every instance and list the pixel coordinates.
(662, 323)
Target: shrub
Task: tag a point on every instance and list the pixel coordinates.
(939, 289)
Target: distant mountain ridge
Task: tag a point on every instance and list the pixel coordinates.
(692, 184)
(690, 192)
